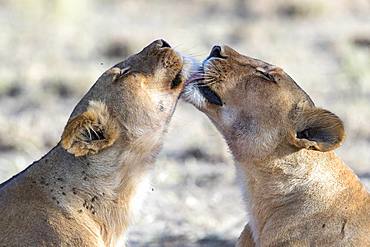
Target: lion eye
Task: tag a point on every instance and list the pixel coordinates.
(124, 71)
(117, 73)
(265, 74)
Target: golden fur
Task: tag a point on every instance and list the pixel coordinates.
(85, 191)
(96, 120)
(298, 192)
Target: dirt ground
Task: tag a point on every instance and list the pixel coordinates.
(53, 51)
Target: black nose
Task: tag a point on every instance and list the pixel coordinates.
(165, 44)
(216, 52)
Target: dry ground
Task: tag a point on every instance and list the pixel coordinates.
(52, 51)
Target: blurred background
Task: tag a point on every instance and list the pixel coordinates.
(52, 51)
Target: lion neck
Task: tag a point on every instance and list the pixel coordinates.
(125, 178)
(106, 188)
(281, 187)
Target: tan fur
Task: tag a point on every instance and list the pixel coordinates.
(298, 192)
(79, 129)
(86, 190)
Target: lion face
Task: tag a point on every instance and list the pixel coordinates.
(149, 84)
(258, 107)
(136, 98)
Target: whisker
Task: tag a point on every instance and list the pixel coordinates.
(195, 54)
(207, 84)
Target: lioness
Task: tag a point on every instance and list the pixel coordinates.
(298, 192)
(85, 190)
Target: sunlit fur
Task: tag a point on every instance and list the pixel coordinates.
(87, 189)
(297, 191)
(96, 118)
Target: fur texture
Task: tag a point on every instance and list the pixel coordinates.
(86, 190)
(299, 193)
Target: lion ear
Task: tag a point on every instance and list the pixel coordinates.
(318, 129)
(91, 131)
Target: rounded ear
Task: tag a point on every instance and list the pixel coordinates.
(317, 129)
(91, 131)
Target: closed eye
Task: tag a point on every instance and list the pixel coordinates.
(125, 71)
(261, 72)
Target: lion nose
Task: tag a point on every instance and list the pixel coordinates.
(217, 52)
